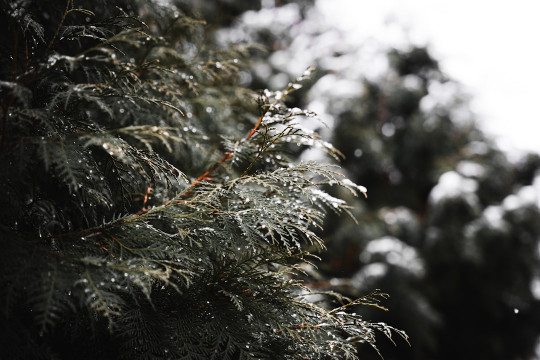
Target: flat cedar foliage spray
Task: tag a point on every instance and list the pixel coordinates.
(150, 210)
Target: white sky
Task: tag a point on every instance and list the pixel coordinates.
(491, 47)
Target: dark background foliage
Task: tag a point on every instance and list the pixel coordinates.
(450, 228)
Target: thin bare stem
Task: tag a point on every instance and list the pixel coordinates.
(66, 12)
(15, 52)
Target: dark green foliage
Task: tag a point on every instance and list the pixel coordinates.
(150, 207)
(450, 228)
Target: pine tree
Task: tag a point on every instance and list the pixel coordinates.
(151, 207)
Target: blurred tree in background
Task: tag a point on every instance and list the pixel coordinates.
(453, 229)
(451, 226)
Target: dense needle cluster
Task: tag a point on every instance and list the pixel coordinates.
(151, 209)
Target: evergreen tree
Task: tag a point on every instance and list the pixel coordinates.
(151, 207)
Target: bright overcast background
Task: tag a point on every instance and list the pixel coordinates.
(491, 47)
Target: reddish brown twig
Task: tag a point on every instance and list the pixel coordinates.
(226, 156)
(27, 57)
(189, 191)
(204, 176)
(255, 128)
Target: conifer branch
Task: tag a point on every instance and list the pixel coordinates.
(226, 156)
(104, 225)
